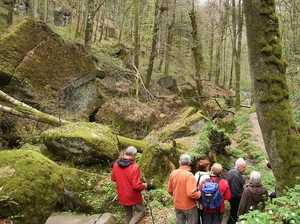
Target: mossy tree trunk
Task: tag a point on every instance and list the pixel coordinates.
(271, 93)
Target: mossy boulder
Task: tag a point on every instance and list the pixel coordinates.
(36, 63)
(82, 143)
(30, 186)
(191, 122)
(128, 117)
(157, 162)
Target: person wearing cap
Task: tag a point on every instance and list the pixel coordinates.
(129, 183)
(182, 186)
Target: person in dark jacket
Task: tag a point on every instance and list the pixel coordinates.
(254, 195)
(127, 176)
(214, 216)
(236, 183)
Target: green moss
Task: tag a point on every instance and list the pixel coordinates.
(30, 180)
(187, 113)
(267, 50)
(157, 163)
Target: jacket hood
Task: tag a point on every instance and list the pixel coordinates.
(257, 191)
(124, 162)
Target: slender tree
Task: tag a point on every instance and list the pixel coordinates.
(154, 44)
(271, 92)
(136, 33)
(238, 58)
(90, 22)
(170, 39)
(196, 53)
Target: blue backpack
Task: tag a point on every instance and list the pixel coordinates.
(211, 197)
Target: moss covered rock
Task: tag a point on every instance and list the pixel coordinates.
(191, 122)
(157, 162)
(82, 143)
(30, 186)
(36, 63)
(128, 117)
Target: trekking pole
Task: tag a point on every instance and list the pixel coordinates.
(108, 205)
(150, 208)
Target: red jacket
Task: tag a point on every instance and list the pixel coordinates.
(225, 191)
(127, 176)
(182, 186)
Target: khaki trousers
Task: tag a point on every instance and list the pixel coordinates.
(140, 213)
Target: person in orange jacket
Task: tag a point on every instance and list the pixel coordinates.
(182, 186)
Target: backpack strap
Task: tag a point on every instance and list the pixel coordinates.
(198, 179)
(217, 180)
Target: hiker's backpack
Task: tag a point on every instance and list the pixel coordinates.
(211, 197)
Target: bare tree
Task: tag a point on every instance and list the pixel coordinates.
(195, 50)
(154, 43)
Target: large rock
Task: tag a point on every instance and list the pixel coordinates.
(191, 122)
(105, 218)
(157, 162)
(35, 63)
(129, 117)
(82, 142)
(30, 185)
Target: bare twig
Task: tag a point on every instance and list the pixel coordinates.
(150, 97)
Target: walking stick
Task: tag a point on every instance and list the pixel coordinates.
(150, 208)
(108, 205)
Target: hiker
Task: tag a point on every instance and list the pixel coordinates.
(214, 216)
(254, 195)
(203, 173)
(236, 183)
(272, 194)
(127, 176)
(182, 186)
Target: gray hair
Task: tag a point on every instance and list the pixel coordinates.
(130, 151)
(184, 159)
(255, 177)
(239, 162)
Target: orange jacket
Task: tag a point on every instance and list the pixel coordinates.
(182, 186)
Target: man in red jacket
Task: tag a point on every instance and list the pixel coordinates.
(127, 176)
(182, 186)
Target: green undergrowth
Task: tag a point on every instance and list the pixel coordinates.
(282, 210)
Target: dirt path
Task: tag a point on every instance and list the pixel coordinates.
(256, 135)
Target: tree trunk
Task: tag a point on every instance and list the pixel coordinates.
(196, 53)
(234, 37)
(10, 15)
(136, 34)
(271, 93)
(169, 40)
(154, 45)
(89, 24)
(23, 110)
(238, 58)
